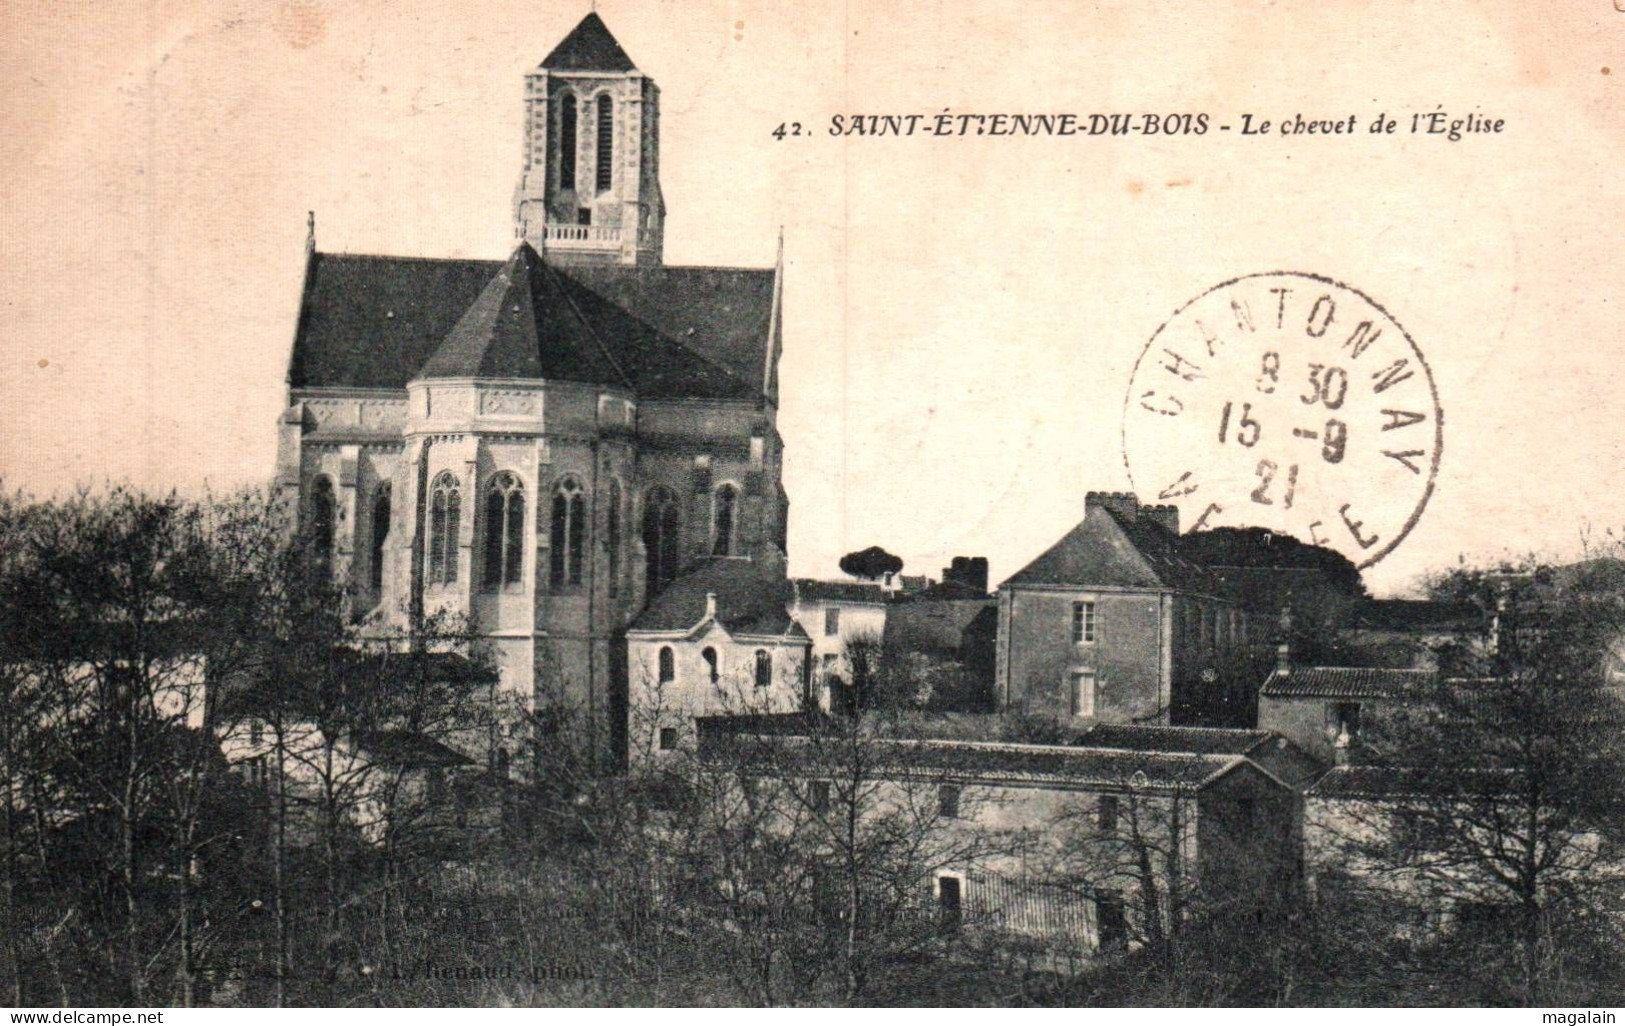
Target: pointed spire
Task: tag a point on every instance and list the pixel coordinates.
(310, 232)
(589, 47)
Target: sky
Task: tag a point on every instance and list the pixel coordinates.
(962, 315)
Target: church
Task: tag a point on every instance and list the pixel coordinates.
(548, 444)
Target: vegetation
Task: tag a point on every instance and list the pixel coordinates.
(219, 785)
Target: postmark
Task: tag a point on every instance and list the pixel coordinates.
(1288, 401)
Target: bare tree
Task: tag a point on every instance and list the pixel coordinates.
(1504, 780)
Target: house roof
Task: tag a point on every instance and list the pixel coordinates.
(838, 591)
(750, 600)
(1419, 616)
(976, 762)
(665, 332)
(1107, 549)
(1274, 752)
(588, 47)
(1158, 738)
(1390, 782)
(1343, 682)
(410, 749)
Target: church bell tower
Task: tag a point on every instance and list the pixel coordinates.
(590, 189)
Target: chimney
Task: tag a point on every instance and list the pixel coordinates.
(711, 605)
(1166, 517)
(1283, 643)
(1125, 504)
(971, 571)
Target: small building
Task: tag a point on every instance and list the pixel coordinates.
(718, 641)
(1059, 832)
(1324, 709)
(1114, 624)
(835, 615)
(1411, 633)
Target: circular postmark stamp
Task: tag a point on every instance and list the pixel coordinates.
(1287, 401)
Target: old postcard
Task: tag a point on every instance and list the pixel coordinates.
(1084, 503)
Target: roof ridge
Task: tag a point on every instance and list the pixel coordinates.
(658, 333)
(591, 330)
(402, 256)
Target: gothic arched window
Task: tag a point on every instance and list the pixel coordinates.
(606, 143)
(613, 539)
(445, 510)
(668, 665)
(724, 509)
(764, 668)
(504, 530)
(567, 143)
(660, 538)
(323, 513)
(569, 526)
(380, 534)
(712, 667)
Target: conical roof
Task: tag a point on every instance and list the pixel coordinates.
(523, 326)
(531, 321)
(589, 47)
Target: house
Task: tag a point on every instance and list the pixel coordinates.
(1410, 633)
(1060, 832)
(1324, 709)
(836, 615)
(1113, 623)
(945, 635)
(1433, 846)
(372, 782)
(719, 641)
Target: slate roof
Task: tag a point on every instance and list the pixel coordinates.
(749, 600)
(838, 591)
(588, 47)
(1343, 682)
(1109, 550)
(668, 332)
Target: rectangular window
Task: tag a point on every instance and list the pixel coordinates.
(948, 801)
(832, 621)
(584, 216)
(950, 895)
(668, 738)
(1083, 692)
(818, 795)
(256, 733)
(1106, 814)
(1083, 623)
